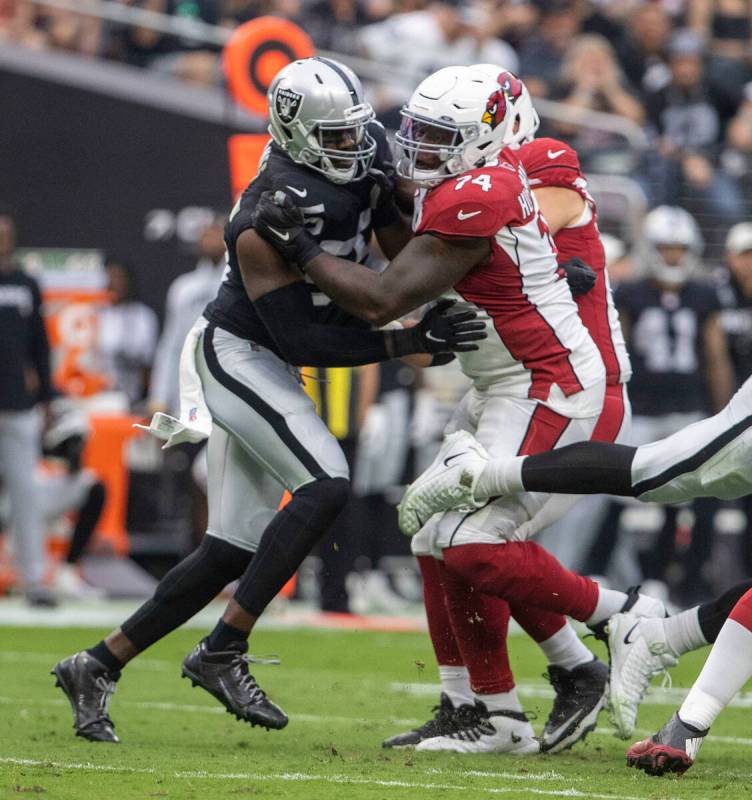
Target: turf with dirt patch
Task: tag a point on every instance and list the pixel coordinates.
(345, 692)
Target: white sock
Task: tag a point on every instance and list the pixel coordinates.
(500, 476)
(455, 683)
(565, 649)
(610, 602)
(503, 701)
(728, 668)
(682, 632)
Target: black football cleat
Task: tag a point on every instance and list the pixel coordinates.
(89, 687)
(580, 695)
(224, 674)
(673, 749)
(446, 719)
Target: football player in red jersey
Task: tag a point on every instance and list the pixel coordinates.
(560, 189)
(538, 378)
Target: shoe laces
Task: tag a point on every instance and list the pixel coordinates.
(472, 724)
(247, 682)
(443, 720)
(107, 688)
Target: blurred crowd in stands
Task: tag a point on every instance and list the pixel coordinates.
(681, 69)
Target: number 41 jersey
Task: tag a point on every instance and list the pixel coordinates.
(536, 340)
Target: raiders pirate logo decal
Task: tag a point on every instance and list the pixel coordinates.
(287, 104)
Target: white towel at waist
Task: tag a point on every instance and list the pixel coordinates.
(195, 422)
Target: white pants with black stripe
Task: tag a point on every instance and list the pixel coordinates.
(710, 458)
(507, 426)
(266, 436)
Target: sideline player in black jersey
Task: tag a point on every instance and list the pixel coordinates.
(330, 155)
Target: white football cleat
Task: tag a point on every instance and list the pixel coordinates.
(488, 732)
(634, 661)
(448, 484)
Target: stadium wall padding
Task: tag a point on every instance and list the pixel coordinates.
(85, 169)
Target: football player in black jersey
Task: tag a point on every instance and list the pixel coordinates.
(681, 370)
(330, 155)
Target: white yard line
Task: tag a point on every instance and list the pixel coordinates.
(298, 777)
(187, 708)
(654, 697)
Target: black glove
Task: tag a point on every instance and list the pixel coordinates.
(278, 220)
(580, 276)
(439, 332)
(382, 193)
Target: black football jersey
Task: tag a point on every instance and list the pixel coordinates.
(338, 216)
(666, 345)
(736, 321)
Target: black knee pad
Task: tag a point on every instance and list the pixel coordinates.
(331, 493)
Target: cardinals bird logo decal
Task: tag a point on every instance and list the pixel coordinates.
(509, 91)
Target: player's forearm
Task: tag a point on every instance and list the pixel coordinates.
(355, 288)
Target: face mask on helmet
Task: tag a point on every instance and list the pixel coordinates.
(342, 149)
(318, 116)
(429, 149)
(459, 118)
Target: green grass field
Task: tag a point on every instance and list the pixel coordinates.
(344, 692)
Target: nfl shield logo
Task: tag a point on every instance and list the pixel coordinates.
(287, 104)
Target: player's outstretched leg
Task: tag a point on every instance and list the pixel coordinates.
(711, 458)
(88, 678)
(642, 647)
(727, 669)
(218, 663)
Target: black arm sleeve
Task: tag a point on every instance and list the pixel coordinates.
(40, 348)
(582, 468)
(290, 317)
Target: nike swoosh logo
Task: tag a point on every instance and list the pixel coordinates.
(430, 336)
(462, 215)
(556, 153)
(304, 192)
(456, 455)
(283, 236)
(569, 724)
(626, 638)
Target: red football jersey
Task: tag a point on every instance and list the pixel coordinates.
(536, 340)
(550, 162)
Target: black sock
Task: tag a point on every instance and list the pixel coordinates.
(223, 636)
(713, 614)
(582, 468)
(88, 516)
(105, 656)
